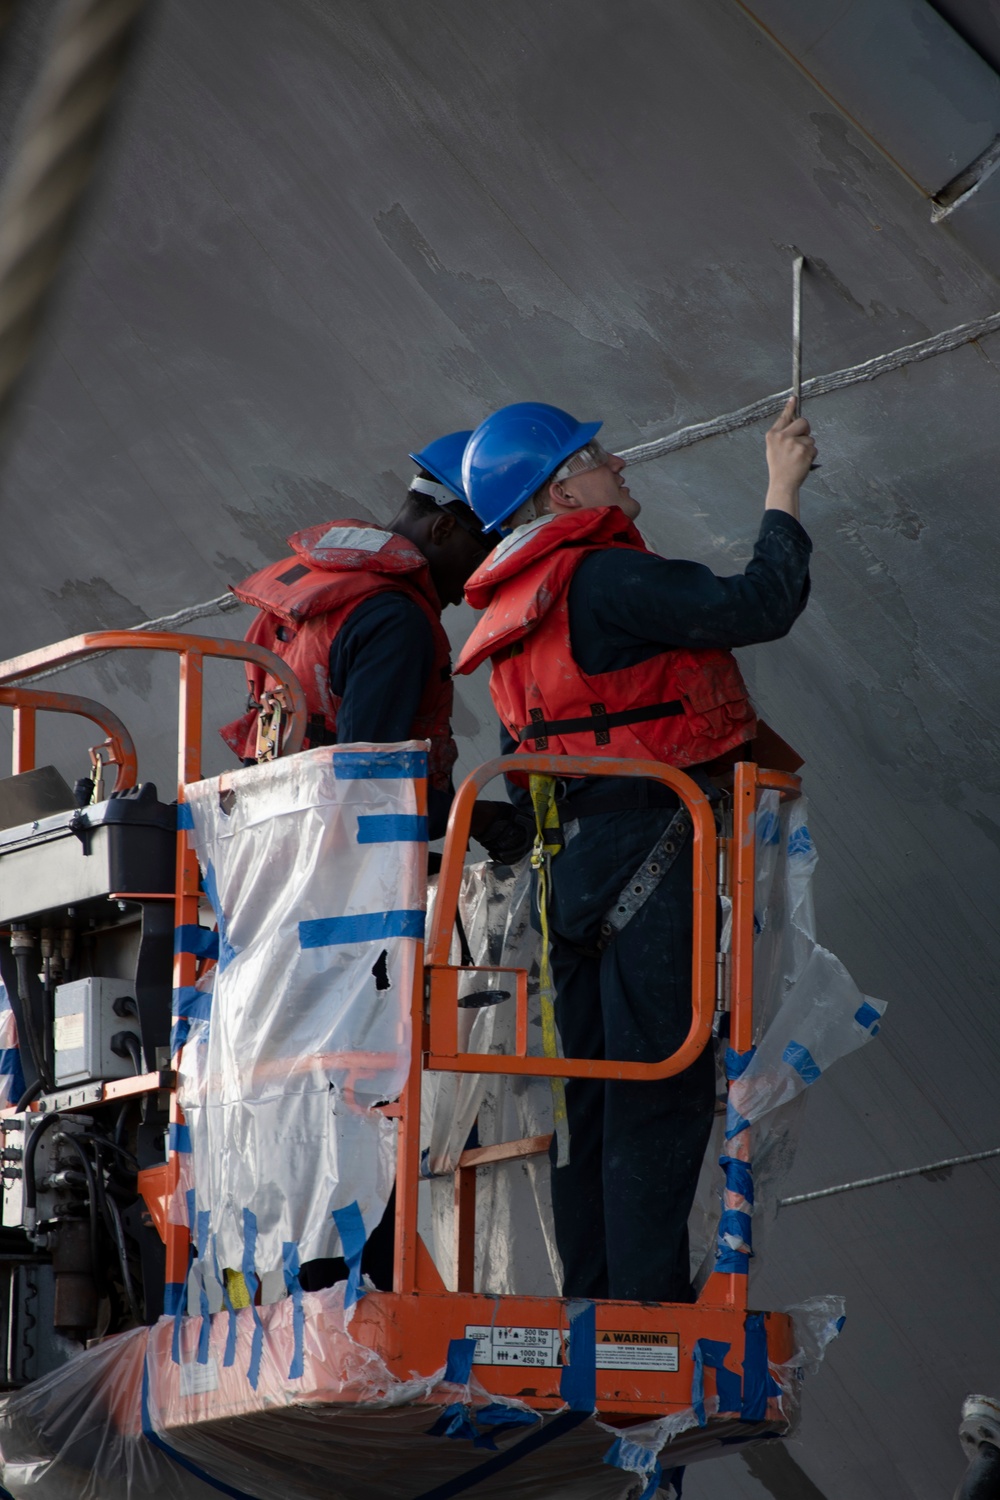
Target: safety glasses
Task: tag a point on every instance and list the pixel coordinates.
(592, 456)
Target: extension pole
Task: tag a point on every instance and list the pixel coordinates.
(797, 265)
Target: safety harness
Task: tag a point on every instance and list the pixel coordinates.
(632, 897)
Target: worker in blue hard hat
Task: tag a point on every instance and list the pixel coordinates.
(600, 647)
(356, 612)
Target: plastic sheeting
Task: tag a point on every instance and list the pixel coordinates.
(808, 1014)
(280, 1398)
(316, 869)
(516, 1250)
(11, 1076)
(327, 1421)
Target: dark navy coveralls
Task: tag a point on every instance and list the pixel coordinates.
(621, 1204)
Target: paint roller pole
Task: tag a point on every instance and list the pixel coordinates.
(798, 265)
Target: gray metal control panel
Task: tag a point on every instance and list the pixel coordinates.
(89, 1015)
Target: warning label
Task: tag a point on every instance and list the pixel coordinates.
(514, 1346)
(198, 1380)
(617, 1349)
(631, 1349)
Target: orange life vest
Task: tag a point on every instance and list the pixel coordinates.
(305, 600)
(682, 706)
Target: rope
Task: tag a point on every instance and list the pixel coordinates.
(548, 842)
(53, 163)
(819, 385)
(218, 606)
(863, 1182)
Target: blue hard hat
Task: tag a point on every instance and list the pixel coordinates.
(443, 459)
(512, 453)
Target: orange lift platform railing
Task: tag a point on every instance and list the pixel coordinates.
(716, 1346)
(422, 1314)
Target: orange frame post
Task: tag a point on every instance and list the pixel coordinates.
(27, 704)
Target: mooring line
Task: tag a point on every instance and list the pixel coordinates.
(684, 437)
(819, 385)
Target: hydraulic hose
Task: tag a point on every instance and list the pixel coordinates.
(28, 1168)
(118, 1233)
(21, 944)
(29, 1096)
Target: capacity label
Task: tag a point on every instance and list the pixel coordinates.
(617, 1349)
(632, 1349)
(514, 1346)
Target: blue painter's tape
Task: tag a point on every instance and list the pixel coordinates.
(866, 1015)
(185, 817)
(459, 1366)
(366, 927)
(711, 1354)
(496, 1419)
(10, 1068)
(454, 1423)
(173, 1296)
(636, 1460)
(557, 1428)
(175, 1342)
(730, 1262)
(290, 1266)
(249, 1269)
(738, 1224)
(735, 1123)
(768, 827)
(800, 1058)
(755, 1371)
(194, 1004)
(205, 1331)
(229, 1357)
(578, 1381)
(800, 843)
(226, 950)
(351, 1228)
(153, 1437)
(179, 1033)
(391, 828)
(379, 765)
(499, 1415)
(201, 941)
(179, 1137)
(739, 1176)
(738, 1062)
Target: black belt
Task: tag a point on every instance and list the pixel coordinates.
(585, 803)
(599, 724)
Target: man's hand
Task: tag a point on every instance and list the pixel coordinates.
(504, 832)
(790, 452)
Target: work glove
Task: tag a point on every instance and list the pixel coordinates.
(504, 832)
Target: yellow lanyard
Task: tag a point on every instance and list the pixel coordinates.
(548, 842)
